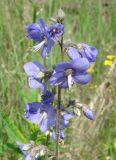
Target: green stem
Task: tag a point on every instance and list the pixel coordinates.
(58, 109)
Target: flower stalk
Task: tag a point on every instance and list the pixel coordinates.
(58, 109)
(58, 123)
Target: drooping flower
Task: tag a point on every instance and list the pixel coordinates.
(45, 38)
(35, 72)
(84, 50)
(68, 73)
(47, 97)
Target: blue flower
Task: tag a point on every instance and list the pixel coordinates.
(84, 50)
(45, 116)
(38, 33)
(41, 114)
(47, 97)
(35, 72)
(56, 30)
(88, 113)
(68, 73)
(45, 38)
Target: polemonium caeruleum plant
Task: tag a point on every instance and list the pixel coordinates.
(49, 117)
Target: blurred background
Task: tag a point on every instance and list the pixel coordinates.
(86, 21)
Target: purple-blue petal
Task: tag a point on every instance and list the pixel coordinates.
(39, 65)
(59, 27)
(47, 97)
(33, 118)
(32, 27)
(35, 83)
(89, 52)
(33, 108)
(68, 116)
(80, 64)
(28, 157)
(43, 125)
(73, 53)
(35, 35)
(33, 68)
(33, 112)
(44, 51)
(64, 84)
(61, 67)
(61, 135)
(42, 26)
(82, 78)
(50, 45)
(56, 78)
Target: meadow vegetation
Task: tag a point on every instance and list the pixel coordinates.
(88, 21)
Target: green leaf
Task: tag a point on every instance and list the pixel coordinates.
(13, 132)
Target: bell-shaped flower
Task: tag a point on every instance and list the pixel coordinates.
(68, 73)
(84, 50)
(35, 72)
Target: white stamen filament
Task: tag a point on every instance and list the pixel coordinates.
(44, 115)
(38, 46)
(70, 82)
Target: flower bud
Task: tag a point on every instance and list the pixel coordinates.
(88, 113)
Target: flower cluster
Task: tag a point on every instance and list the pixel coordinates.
(63, 75)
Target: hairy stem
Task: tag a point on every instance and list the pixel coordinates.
(58, 109)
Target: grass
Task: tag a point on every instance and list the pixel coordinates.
(88, 21)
